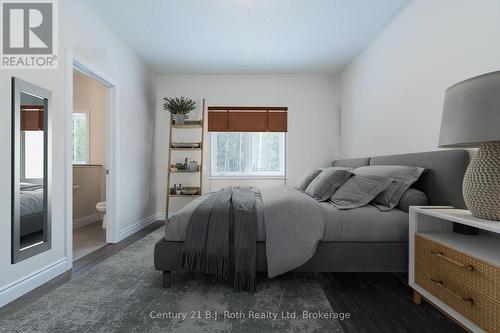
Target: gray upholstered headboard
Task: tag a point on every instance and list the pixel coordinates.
(442, 182)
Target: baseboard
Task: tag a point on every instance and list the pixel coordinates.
(82, 222)
(130, 230)
(25, 284)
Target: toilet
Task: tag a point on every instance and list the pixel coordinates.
(101, 208)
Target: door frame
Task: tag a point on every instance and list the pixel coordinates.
(112, 149)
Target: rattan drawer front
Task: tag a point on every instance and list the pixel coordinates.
(469, 302)
(468, 270)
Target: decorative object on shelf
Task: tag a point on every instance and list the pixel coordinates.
(179, 107)
(194, 123)
(193, 166)
(186, 167)
(185, 145)
(178, 189)
(189, 191)
(471, 118)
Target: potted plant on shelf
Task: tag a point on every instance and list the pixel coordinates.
(179, 107)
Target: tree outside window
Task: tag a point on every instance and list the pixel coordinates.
(248, 154)
(80, 138)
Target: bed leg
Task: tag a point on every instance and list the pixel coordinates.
(417, 298)
(166, 279)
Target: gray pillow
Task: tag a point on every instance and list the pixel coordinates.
(306, 179)
(403, 177)
(412, 197)
(327, 182)
(359, 190)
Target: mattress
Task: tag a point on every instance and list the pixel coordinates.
(364, 224)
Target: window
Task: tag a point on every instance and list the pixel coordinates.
(80, 138)
(247, 154)
(32, 151)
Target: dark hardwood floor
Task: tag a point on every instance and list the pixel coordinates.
(381, 302)
(79, 267)
(377, 302)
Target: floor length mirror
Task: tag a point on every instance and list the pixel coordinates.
(31, 222)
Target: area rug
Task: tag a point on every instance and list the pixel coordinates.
(123, 294)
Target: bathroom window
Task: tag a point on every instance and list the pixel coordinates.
(248, 154)
(80, 138)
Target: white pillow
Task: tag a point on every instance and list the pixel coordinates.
(359, 191)
(403, 176)
(327, 182)
(306, 179)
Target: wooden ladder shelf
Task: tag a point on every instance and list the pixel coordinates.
(199, 124)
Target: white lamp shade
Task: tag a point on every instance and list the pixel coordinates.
(471, 112)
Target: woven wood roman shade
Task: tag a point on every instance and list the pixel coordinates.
(32, 118)
(247, 119)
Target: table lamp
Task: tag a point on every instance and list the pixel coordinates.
(471, 118)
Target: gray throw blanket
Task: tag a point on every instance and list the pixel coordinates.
(221, 237)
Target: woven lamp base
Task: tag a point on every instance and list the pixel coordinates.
(481, 186)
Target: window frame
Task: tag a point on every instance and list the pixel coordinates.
(87, 141)
(248, 173)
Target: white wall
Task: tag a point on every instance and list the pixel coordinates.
(91, 96)
(81, 30)
(312, 103)
(392, 93)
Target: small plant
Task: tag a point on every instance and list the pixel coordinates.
(178, 105)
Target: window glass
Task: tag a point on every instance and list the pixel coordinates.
(267, 152)
(33, 154)
(252, 154)
(80, 138)
(230, 152)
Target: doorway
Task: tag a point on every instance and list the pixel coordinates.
(89, 164)
(92, 171)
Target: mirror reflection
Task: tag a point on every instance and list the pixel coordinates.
(31, 186)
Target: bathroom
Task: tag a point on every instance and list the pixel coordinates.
(90, 103)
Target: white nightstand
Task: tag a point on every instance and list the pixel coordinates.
(457, 273)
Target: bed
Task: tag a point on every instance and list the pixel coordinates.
(31, 208)
(358, 240)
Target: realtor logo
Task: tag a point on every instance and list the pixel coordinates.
(28, 34)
